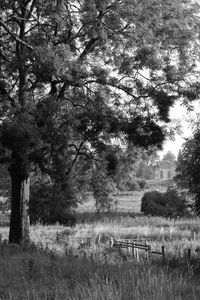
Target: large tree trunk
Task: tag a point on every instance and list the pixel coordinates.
(19, 220)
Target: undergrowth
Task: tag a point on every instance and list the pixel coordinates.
(38, 273)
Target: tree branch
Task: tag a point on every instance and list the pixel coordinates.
(3, 56)
(4, 93)
(14, 36)
(30, 14)
(31, 9)
(89, 47)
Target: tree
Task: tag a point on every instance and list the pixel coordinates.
(77, 76)
(188, 169)
(102, 187)
(169, 156)
(172, 203)
(146, 163)
(48, 204)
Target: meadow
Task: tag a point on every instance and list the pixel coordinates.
(54, 270)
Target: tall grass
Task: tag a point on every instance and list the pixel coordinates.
(175, 235)
(41, 274)
(48, 270)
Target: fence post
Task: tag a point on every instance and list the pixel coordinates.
(98, 239)
(88, 241)
(137, 254)
(163, 254)
(57, 237)
(146, 251)
(111, 242)
(133, 249)
(189, 254)
(92, 257)
(105, 259)
(150, 254)
(129, 246)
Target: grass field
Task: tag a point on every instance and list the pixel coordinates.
(127, 202)
(49, 270)
(55, 271)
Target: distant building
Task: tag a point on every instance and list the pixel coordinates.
(165, 170)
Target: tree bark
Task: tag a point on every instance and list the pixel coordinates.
(19, 220)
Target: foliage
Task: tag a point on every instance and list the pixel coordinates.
(169, 156)
(141, 183)
(146, 164)
(102, 187)
(4, 190)
(135, 184)
(188, 168)
(49, 204)
(132, 184)
(77, 76)
(135, 165)
(172, 203)
(4, 205)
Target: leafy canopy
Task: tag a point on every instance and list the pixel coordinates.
(76, 76)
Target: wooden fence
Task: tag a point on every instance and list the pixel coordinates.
(125, 247)
(65, 238)
(134, 246)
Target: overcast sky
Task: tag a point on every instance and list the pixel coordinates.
(180, 113)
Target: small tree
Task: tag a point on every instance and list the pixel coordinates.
(102, 186)
(169, 156)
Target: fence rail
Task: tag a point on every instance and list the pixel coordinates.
(133, 246)
(64, 238)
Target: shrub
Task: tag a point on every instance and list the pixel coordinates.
(132, 185)
(141, 182)
(172, 203)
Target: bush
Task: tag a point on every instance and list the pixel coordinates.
(132, 185)
(169, 204)
(141, 182)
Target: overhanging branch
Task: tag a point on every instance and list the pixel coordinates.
(14, 36)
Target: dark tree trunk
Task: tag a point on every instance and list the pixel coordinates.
(19, 220)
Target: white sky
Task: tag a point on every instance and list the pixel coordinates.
(185, 117)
